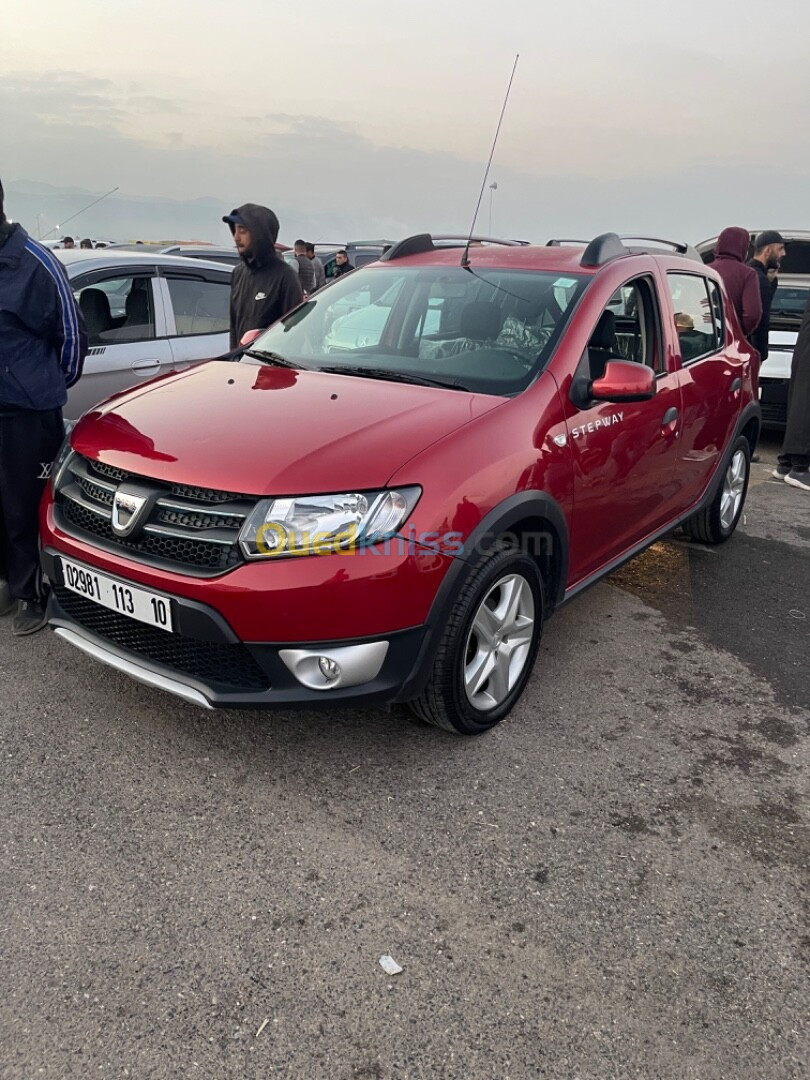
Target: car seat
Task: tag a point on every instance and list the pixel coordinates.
(95, 307)
(603, 346)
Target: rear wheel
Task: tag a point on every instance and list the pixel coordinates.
(716, 522)
(488, 646)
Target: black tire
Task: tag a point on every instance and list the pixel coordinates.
(444, 702)
(707, 525)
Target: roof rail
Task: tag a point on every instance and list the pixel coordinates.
(609, 246)
(559, 243)
(603, 249)
(680, 248)
(422, 242)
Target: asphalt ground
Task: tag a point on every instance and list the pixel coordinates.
(613, 883)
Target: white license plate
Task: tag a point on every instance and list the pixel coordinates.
(120, 596)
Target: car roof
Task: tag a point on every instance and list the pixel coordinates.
(556, 258)
(80, 259)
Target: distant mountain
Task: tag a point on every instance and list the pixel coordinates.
(48, 212)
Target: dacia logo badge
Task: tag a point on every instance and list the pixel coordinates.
(560, 440)
(127, 511)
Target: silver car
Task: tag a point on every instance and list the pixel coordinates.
(146, 315)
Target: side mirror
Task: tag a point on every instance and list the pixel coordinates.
(624, 380)
(249, 337)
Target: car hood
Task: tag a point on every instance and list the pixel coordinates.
(270, 430)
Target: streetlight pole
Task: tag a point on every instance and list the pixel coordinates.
(492, 188)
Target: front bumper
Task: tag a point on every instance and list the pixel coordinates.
(206, 664)
(773, 397)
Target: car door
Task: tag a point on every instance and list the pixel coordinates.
(712, 371)
(197, 313)
(623, 454)
(126, 331)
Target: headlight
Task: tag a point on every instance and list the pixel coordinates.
(322, 524)
(61, 462)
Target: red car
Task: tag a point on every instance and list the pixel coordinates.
(393, 520)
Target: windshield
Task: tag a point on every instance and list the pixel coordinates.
(789, 301)
(487, 331)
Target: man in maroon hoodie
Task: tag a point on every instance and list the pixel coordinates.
(741, 281)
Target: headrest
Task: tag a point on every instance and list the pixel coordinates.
(95, 307)
(604, 336)
(481, 320)
(137, 307)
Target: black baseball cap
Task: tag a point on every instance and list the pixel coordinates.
(234, 218)
(769, 236)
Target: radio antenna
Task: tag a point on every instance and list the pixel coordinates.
(78, 212)
(465, 258)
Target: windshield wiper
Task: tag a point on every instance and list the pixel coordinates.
(273, 358)
(395, 376)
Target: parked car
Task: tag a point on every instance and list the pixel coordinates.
(395, 522)
(788, 307)
(147, 314)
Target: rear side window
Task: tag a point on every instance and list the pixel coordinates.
(200, 307)
(717, 312)
(695, 319)
(117, 310)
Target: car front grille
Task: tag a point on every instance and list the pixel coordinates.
(223, 667)
(192, 529)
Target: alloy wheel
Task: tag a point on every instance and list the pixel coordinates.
(499, 642)
(733, 489)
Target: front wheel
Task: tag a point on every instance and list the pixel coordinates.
(488, 646)
(717, 521)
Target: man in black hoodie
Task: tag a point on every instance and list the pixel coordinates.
(263, 286)
(769, 250)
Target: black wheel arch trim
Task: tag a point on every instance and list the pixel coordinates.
(498, 522)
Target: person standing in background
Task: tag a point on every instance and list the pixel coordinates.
(342, 264)
(769, 250)
(741, 281)
(794, 462)
(303, 265)
(317, 266)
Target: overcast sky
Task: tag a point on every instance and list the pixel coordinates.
(377, 117)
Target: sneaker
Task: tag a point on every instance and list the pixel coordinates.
(30, 617)
(781, 471)
(6, 603)
(799, 478)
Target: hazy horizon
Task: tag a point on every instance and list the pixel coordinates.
(351, 123)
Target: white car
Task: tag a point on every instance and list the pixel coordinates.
(146, 315)
(787, 309)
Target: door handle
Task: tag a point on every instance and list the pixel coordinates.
(146, 365)
(736, 385)
(670, 416)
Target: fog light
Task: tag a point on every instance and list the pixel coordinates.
(342, 666)
(329, 669)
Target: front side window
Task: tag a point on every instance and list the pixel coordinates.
(487, 331)
(200, 307)
(695, 321)
(118, 310)
(632, 315)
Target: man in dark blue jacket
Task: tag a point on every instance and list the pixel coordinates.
(43, 343)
